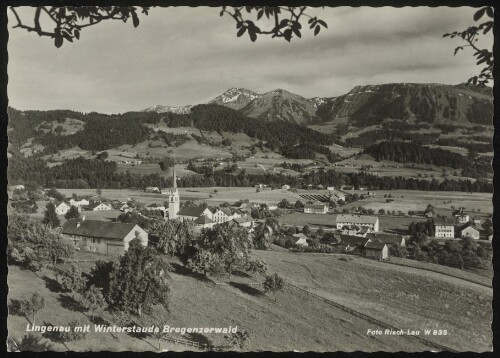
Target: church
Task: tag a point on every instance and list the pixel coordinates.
(173, 198)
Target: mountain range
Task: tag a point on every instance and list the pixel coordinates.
(370, 104)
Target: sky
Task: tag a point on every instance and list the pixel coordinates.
(189, 55)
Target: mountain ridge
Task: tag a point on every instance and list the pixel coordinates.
(428, 102)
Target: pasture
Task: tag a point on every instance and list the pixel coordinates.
(291, 322)
(406, 297)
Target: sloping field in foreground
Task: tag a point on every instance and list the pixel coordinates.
(405, 297)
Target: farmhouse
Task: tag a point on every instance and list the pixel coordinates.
(79, 203)
(108, 238)
(97, 206)
(359, 220)
(352, 243)
(300, 239)
(152, 189)
(468, 230)
(223, 215)
(286, 187)
(124, 207)
(330, 188)
(388, 239)
(244, 221)
(315, 208)
(461, 218)
(156, 206)
(337, 196)
(192, 213)
(203, 222)
(376, 249)
(445, 230)
(62, 207)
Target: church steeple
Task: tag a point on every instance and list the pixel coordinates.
(173, 198)
(174, 179)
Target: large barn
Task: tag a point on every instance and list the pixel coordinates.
(103, 237)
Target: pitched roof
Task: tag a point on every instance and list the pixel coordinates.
(155, 205)
(356, 219)
(99, 229)
(242, 220)
(353, 240)
(385, 237)
(57, 203)
(203, 219)
(315, 206)
(467, 225)
(94, 205)
(375, 245)
(300, 236)
(191, 211)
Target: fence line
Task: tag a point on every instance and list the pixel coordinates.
(369, 318)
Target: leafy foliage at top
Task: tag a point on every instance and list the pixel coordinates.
(65, 23)
(471, 36)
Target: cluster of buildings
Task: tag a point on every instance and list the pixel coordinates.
(113, 238)
(461, 227)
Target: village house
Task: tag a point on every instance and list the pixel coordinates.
(300, 239)
(98, 206)
(461, 218)
(62, 207)
(191, 213)
(337, 196)
(444, 230)
(330, 188)
(317, 208)
(354, 230)
(350, 243)
(285, 187)
(79, 203)
(388, 239)
(223, 215)
(124, 207)
(203, 222)
(152, 189)
(376, 249)
(244, 221)
(272, 207)
(371, 222)
(103, 237)
(468, 230)
(156, 206)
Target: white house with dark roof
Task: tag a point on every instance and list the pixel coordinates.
(98, 206)
(223, 215)
(300, 239)
(316, 208)
(192, 213)
(444, 230)
(468, 230)
(371, 222)
(62, 207)
(104, 237)
(79, 203)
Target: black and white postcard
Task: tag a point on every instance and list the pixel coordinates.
(284, 179)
